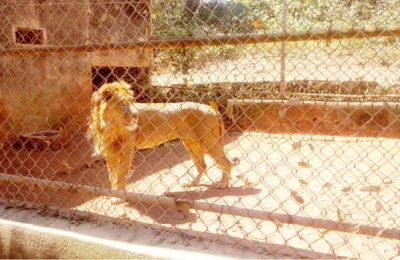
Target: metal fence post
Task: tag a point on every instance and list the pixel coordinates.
(283, 51)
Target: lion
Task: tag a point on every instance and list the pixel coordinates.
(119, 127)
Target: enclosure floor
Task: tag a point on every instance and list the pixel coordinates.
(320, 64)
(345, 179)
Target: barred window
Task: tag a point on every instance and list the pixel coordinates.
(29, 36)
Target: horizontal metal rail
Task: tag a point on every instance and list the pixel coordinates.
(390, 233)
(203, 41)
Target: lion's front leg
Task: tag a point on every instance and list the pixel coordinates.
(118, 163)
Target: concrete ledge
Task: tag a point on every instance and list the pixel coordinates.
(20, 240)
(373, 119)
(27, 234)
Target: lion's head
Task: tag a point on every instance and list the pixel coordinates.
(110, 111)
(120, 92)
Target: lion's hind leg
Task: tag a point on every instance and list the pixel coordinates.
(224, 164)
(216, 151)
(196, 153)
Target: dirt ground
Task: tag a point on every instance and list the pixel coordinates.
(345, 179)
(316, 64)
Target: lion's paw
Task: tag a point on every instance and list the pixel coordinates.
(220, 185)
(188, 184)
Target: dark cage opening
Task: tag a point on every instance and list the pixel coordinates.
(29, 36)
(137, 77)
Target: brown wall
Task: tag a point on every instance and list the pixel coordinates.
(317, 117)
(53, 90)
(44, 91)
(118, 22)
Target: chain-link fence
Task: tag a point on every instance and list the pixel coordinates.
(292, 109)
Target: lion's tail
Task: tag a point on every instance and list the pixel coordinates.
(235, 161)
(95, 125)
(213, 105)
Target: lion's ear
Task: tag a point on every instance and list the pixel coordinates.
(107, 94)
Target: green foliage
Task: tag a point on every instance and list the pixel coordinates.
(359, 91)
(219, 17)
(213, 18)
(232, 16)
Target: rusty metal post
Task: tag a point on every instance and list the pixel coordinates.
(283, 51)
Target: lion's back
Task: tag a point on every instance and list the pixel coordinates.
(170, 108)
(177, 119)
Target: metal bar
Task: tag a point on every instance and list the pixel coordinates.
(391, 233)
(203, 41)
(360, 104)
(282, 87)
(331, 225)
(344, 95)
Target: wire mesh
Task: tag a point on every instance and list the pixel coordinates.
(290, 109)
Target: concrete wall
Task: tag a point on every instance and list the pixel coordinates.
(44, 91)
(376, 119)
(118, 22)
(53, 90)
(32, 234)
(27, 241)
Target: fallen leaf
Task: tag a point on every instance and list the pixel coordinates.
(247, 183)
(339, 215)
(378, 206)
(296, 145)
(258, 24)
(356, 229)
(214, 105)
(311, 147)
(99, 162)
(168, 194)
(304, 164)
(282, 112)
(387, 182)
(183, 204)
(380, 232)
(359, 78)
(277, 223)
(103, 18)
(35, 188)
(75, 171)
(371, 188)
(347, 189)
(326, 231)
(66, 165)
(124, 215)
(303, 182)
(297, 197)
